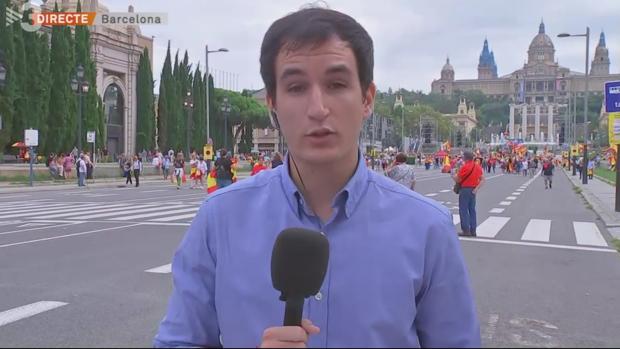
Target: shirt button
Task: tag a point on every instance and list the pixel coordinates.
(318, 296)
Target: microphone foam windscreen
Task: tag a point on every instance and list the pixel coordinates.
(299, 262)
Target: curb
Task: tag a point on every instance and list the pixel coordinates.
(597, 205)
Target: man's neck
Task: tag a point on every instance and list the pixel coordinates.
(319, 184)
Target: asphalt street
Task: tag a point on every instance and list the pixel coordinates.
(90, 267)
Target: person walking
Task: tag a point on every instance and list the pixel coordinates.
(166, 166)
(401, 172)
(137, 168)
(179, 168)
(127, 168)
(547, 171)
(223, 170)
(471, 178)
(81, 171)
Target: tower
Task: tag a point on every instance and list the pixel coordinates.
(600, 63)
(487, 69)
(447, 72)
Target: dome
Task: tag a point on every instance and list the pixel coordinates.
(447, 66)
(541, 40)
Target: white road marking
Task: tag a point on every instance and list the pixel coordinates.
(154, 191)
(174, 218)
(68, 235)
(130, 210)
(497, 210)
(431, 194)
(166, 224)
(520, 190)
(164, 269)
(505, 203)
(19, 313)
(491, 328)
(155, 214)
(587, 233)
(445, 190)
(32, 225)
(515, 193)
(454, 207)
(491, 226)
(46, 211)
(538, 244)
(456, 219)
(15, 196)
(537, 230)
(511, 198)
(57, 226)
(106, 208)
(10, 210)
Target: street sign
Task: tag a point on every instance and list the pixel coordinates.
(31, 138)
(90, 136)
(612, 96)
(614, 128)
(208, 151)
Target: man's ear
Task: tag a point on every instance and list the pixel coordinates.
(369, 100)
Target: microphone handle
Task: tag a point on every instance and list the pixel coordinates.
(293, 311)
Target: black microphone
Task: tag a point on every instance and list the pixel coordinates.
(298, 266)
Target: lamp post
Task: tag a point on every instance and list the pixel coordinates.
(584, 170)
(79, 85)
(207, 83)
(188, 104)
(225, 108)
(2, 70)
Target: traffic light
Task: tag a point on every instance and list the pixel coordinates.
(208, 151)
(459, 139)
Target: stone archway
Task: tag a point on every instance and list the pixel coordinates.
(114, 114)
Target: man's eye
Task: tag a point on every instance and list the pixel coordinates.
(296, 88)
(337, 85)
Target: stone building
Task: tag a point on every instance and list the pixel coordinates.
(539, 92)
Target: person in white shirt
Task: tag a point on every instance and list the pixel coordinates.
(137, 169)
(203, 171)
(81, 171)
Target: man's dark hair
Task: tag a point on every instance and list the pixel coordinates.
(401, 158)
(315, 26)
(467, 155)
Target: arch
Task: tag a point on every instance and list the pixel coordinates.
(115, 113)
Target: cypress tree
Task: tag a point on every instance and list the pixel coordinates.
(146, 114)
(8, 91)
(163, 111)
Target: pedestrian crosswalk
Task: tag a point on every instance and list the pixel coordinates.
(176, 212)
(539, 230)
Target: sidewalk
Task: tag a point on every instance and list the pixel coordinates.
(602, 196)
(72, 184)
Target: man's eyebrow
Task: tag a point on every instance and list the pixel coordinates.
(340, 68)
(288, 72)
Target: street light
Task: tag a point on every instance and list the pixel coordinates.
(225, 110)
(188, 104)
(207, 82)
(584, 170)
(79, 85)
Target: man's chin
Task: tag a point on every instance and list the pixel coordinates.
(321, 157)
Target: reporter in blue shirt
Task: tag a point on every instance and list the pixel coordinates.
(396, 275)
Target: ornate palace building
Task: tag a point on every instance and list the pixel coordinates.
(539, 92)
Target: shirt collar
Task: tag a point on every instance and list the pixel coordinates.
(348, 197)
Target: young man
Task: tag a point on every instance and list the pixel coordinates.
(471, 178)
(396, 276)
(547, 171)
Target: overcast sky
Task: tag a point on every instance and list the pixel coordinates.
(411, 38)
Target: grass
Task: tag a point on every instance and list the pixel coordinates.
(616, 243)
(606, 174)
(577, 189)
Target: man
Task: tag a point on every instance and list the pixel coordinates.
(471, 177)
(81, 171)
(396, 276)
(547, 171)
(223, 170)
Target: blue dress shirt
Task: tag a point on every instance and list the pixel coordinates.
(396, 275)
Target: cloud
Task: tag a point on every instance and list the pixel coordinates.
(412, 38)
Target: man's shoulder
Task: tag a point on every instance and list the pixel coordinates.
(257, 184)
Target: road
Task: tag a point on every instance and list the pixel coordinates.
(90, 267)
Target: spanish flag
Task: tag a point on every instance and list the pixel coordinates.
(211, 182)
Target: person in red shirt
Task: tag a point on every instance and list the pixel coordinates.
(471, 178)
(259, 166)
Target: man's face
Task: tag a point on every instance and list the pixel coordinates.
(319, 101)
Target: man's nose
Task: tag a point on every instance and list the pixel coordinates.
(316, 104)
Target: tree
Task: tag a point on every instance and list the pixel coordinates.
(163, 115)
(62, 104)
(198, 126)
(7, 94)
(145, 135)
